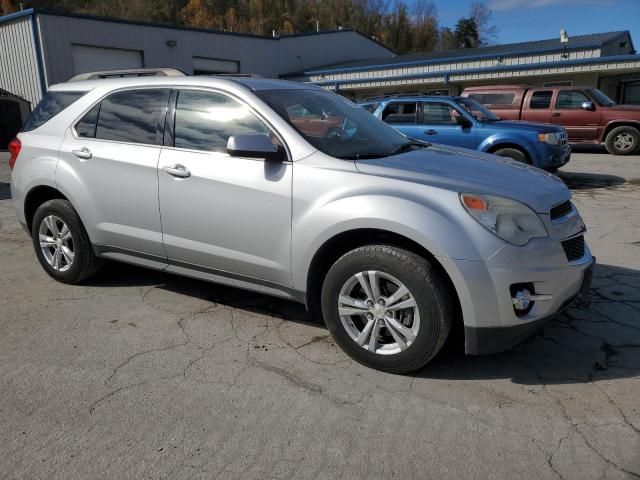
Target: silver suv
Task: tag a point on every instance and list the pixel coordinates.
(289, 190)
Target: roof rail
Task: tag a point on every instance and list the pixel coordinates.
(135, 72)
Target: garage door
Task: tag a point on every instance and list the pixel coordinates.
(95, 59)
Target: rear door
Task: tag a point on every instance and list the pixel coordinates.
(223, 216)
(537, 106)
(581, 124)
(439, 122)
(114, 149)
(402, 115)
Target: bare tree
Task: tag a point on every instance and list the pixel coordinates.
(481, 15)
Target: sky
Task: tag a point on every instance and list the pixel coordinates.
(523, 20)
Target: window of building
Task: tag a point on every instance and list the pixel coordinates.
(130, 116)
(400, 112)
(497, 98)
(206, 120)
(568, 99)
(559, 83)
(438, 114)
(540, 100)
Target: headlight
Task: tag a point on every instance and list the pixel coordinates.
(510, 220)
(550, 138)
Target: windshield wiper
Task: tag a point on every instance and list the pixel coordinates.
(408, 146)
(363, 156)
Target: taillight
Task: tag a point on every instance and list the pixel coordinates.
(14, 150)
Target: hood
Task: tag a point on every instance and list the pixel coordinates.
(535, 127)
(628, 111)
(468, 171)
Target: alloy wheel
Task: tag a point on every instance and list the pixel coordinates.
(624, 141)
(56, 243)
(378, 312)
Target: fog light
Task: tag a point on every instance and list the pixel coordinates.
(523, 297)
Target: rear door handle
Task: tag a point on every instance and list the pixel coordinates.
(83, 153)
(177, 170)
(431, 132)
(555, 114)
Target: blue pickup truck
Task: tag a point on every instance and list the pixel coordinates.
(463, 122)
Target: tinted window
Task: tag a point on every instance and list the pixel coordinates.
(493, 98)
(370, 107)
(86, 127)
(131, 116)
(400, 113)
(206, 120)
(541, 99)
(438, 113)
(50, 105)
(571, 99)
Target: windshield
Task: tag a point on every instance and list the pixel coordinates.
(601, 98)
(333, 124)
(478, 111)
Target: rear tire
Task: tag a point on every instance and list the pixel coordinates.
(622, 141)
(62, 244)
(407, 329)
(513, 153)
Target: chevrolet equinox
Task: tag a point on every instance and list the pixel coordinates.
(289, 190)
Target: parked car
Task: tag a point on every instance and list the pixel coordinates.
(462, 122)
(589, 116)
(211, 178)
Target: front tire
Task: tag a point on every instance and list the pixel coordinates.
(62, 244)
(513, 153)
(622, 141)
(387, 308)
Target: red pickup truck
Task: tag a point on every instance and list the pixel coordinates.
(589, 116)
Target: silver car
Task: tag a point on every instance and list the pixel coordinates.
(289, 190)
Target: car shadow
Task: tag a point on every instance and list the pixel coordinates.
(586, 343)
(590, 181)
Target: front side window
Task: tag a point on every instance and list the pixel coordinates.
(400, 112)
(50, 105)
(439, 114)
(541, 100)
(131, 116)
(206, 120)
(571, 99)
(342, 129)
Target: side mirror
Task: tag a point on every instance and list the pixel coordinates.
(255, 145)
(588, 106)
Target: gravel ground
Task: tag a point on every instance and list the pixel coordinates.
(143, 374)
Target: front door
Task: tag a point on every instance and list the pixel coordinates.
(581, 124)
(440, 122)
(222, 215)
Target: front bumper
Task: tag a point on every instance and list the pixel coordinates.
(489, 340)
(552, 157)
(483, 287)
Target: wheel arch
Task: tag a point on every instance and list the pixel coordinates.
(345, 241)
(36, 197)
(619, 123)
(498, 146)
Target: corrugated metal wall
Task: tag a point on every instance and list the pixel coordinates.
(18, 61)
(264, 56)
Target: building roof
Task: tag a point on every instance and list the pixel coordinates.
(577, 42)
(41, 11)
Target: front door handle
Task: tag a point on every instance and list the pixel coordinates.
(83, 153)
(177, 170)
(555, 114)
(431, 131)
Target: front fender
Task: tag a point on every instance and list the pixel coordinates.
(440, 225)
(503, 138)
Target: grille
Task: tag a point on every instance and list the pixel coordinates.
(574, 248)
(563, 139)
(561, 210)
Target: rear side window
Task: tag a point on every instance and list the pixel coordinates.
(398, 112)
(498, 98)
(571, 99)
(541, 99)
(50, 105)
(132, 116)
(206, 120)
